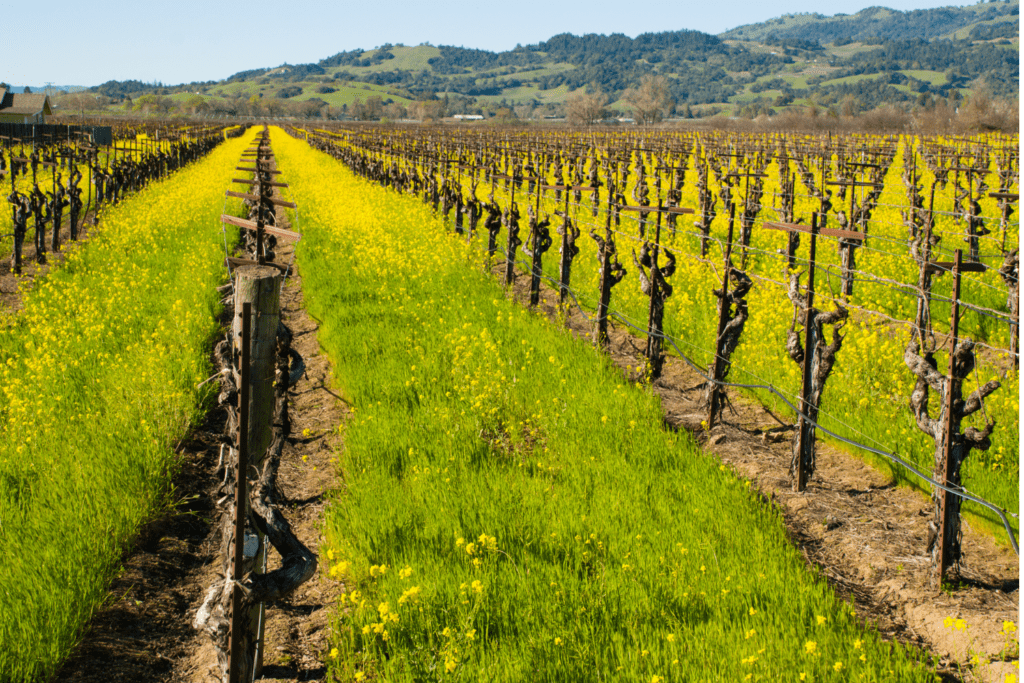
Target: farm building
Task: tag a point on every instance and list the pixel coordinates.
(23, 108)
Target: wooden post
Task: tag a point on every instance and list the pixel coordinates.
(805, 445)
(946, 508)
(723, 319)
(260, 286)
(922, 320)
(238, 620)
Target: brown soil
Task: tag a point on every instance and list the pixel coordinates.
(867, 535)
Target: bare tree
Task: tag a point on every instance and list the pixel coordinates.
(585, 109)
(311, 108)
(273, 106)
(426, 110)
(649, 100)
(395, 111)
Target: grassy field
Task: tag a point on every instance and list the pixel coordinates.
(933, 77)
(514, 509)
(98, 377)
(406, 58)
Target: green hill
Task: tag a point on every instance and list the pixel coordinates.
(881, 22)
(863, 60)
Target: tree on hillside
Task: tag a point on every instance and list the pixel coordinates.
(649, 100)
(197, 105)
(149, 104)
(311, 108)
(584, 109)
(273, 106)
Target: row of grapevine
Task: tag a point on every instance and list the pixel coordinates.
(40, 193)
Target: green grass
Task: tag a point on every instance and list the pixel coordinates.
(850, 49)
(528, 93)
(852, 79)
(933, 77)
(347, 94)
(406, 58)
(98, 379)
(534, 518)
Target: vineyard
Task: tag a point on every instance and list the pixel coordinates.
(913, 205)
(508, 317)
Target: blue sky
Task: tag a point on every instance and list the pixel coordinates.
(79, 43)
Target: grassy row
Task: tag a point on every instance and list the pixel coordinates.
(513, 509)
(98, 377)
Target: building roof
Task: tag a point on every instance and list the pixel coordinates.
(24, 104)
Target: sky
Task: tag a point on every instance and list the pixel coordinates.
(78, 43)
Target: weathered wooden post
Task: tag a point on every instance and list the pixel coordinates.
(948, 527)
(259, 286)
(803, 450)
(921, 250)
(239, 623)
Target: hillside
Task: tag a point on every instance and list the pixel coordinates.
(853, 62)
(980, 21)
